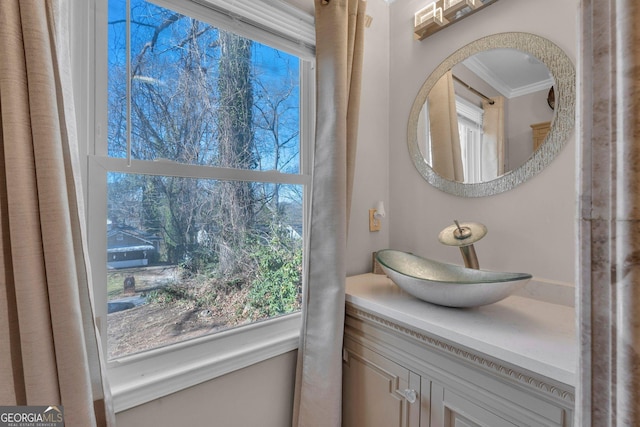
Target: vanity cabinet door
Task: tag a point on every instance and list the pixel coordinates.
(449, 409)
(376, 391)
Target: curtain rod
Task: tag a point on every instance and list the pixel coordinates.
(480, 94)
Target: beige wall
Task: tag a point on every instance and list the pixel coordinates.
(531, 228)
(260, 395)
(372, 158)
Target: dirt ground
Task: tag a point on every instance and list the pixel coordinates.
(155, 324)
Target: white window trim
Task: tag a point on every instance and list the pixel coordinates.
(469, 110)
(143, 377)
(286, 27)
(140, 378)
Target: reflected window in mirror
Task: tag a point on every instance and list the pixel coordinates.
(470, 123)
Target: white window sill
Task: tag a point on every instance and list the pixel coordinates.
(147, 376)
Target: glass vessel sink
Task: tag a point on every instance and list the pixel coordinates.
(448, 284)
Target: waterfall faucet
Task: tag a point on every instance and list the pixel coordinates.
(464, 236)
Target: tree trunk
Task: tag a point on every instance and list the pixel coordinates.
(235, 144)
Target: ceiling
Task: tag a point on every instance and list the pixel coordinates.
(511, 72)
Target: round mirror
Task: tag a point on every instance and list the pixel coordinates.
(493, 114)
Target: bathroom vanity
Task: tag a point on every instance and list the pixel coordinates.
(411, 363)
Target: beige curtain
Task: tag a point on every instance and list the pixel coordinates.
(446, 156)
(492, 165)
(49, 353)
(339, 45)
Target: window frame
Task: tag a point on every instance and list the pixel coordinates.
(142, 377)
(470, 117)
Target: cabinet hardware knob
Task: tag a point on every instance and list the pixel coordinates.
(410, 395)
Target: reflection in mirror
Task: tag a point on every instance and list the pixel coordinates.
(486, 116)
(493, 114)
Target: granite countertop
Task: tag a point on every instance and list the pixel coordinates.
(535, 335)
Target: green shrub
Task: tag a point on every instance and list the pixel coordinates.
(168, 295)
(276, 289)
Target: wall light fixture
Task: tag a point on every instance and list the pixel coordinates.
(375, 215)
(442, 13)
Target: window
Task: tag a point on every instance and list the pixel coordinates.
(470, 119)
(197, 186)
